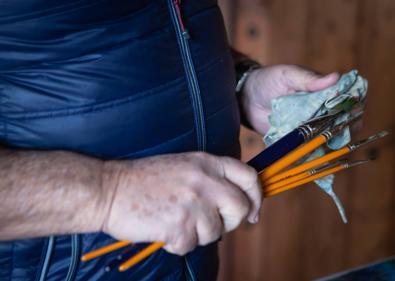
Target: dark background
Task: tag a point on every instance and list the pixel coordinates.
(301, 236)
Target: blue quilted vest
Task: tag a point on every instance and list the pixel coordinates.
(119, 79)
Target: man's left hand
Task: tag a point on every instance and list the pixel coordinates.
(270, 82)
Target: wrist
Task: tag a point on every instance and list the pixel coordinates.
(244, 69)
(83, 203)
(245, 110)
(110, 174)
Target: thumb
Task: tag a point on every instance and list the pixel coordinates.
(319, 83)
(301, 79)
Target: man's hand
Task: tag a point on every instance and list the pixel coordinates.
(273, 81)
(183, 200)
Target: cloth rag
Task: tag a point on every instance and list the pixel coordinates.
(291, 111)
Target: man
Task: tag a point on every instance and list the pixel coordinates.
(103, 105)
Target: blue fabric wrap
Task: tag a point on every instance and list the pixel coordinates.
(106, 79)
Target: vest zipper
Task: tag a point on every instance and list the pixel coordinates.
(74, 260)
(47, 259)
(184, 32)
(189, 272)
(183, 36)
(75, 251)
(192, 81)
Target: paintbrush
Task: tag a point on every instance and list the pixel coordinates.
(315, 174)
(323, 159)
(104, 250)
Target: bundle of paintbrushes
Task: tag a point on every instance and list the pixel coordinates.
(275, 169)
(275, 180)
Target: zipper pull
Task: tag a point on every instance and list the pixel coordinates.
(184, 31)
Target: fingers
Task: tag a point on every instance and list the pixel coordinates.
(183, 242)
(245, 178)
(260, 119)
(233, 206)
(209, 227)
(302, 79)
(319, 83)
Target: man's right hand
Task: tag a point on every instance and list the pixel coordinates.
(184, 200)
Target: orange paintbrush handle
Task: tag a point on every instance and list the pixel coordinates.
(104, 250)
(141, 255)
(309, 165)
(293, 156)
(305, 180)
(286, 181)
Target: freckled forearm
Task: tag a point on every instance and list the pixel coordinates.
(44, 193)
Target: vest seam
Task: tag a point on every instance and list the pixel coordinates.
(118, 44)
(114, 46)
(61, 10)
(85, 109)
(225, 107)
(157, 145)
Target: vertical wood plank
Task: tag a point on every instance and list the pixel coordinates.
(253, 28)
(288, 33)
(228, 9)
(263, 30)
(281, 230)
(371, 236)
(331, 43)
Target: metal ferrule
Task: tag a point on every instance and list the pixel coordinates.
(317, 125)
(327, 166)
(312, 172)
(356, 163)
(306, 131)
(344, 163)
(351, 147)
(328, 135)
(368, 140)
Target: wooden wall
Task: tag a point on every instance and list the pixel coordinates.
(301, 236)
